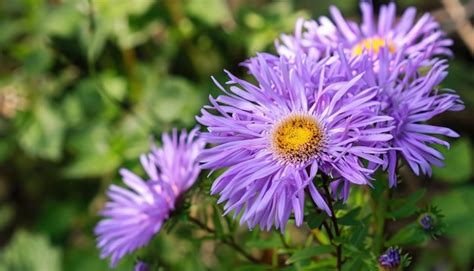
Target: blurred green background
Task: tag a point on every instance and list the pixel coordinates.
(84, 84)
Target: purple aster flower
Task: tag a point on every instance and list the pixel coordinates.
(274, 138)
(390, 259)
(141, 266)
(136, 213)
(177, 160)
(412, 99)
(412, 37)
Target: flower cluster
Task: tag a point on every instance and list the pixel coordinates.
(134, 215)
(339, 102)
(318, 38)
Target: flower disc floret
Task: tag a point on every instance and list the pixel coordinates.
(297, 138)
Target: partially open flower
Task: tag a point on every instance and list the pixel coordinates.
(136, 213)
(391, 259)
(412, 37)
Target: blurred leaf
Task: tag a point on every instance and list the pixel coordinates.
(87, 258)
(456, 206)
(94, 153)
(211, 12)
(64, 19)
(44, 132)
(405, 207)
(350, 218)
(253, 267)
(458, 162)
(315, 220)
(92, 165)
(408, 235)
(174, 99)
(324, 264)
(55, 219)
(6, 214)
(359, 233)
(115, 86)
(30, 252)
(38, 60)
(216, 219)
(309, 252)
(261, 243)
(5, 148)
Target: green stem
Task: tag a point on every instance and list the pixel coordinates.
(334, 223)
(380, 211)
(229, 241)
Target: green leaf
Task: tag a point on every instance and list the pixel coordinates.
(350, 219)
(408, 235)
(324, 264)
(174, 99)
(6, 214)
(115, 86)
(30, 252)
(315, 220)
(43, 134)
(309, 252)
(359, 233)
(405, 207)
(353, 264)
(260, 243)
(212, 12)
(216, 219)
(458, 163)
(253, 267)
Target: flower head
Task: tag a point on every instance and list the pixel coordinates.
(430, 221)
(274, 138)
(390, 259)
(136, 213)
(411, 95)
(426, 221)
(407, 35)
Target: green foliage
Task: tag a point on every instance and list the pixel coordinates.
(94, 81)
(307, 253)
(30, 252)
(458, 165)
(405, 207)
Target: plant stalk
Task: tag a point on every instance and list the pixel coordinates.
(334, 223)
(229, 241)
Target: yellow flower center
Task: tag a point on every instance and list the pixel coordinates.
(372, 45)
(297, 138)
